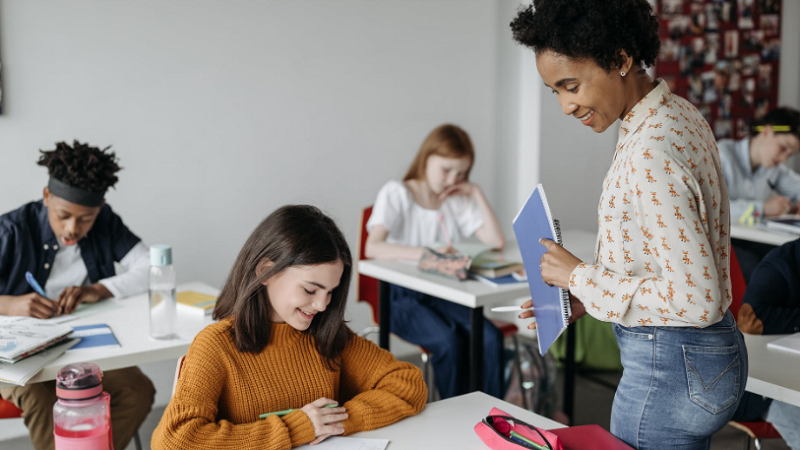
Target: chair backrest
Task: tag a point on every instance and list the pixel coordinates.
(9, 410)
(366, 287)
(177, 373)
(738, 285)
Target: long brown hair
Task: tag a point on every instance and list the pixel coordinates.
(447, 140)
(293, 235)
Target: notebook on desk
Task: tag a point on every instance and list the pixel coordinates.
(551, 304)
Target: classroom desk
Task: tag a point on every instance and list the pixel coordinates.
(474, 295)
(471, 293)
(773, 373)
(448, 424)
(762, 234)
(131, 325)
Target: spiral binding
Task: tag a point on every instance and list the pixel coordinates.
(555, 227)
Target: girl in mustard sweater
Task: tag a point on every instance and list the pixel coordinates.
(281, 343)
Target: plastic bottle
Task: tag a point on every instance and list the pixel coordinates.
(162, 293)
(82, 413)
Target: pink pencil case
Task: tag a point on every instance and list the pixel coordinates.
(451, 265)
(487, 430)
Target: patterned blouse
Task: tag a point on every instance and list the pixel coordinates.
(662, 248)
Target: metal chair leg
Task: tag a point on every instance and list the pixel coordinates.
(137, 441)
(426, 375)
(758, 443)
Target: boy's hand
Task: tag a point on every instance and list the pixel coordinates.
(73, 296)
(777, 206)
(327, 421)
(30, 305)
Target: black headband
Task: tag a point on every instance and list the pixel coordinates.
(75, 195)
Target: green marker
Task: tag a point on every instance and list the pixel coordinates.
(287, 411)
(524, 439)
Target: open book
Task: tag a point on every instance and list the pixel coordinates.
(24, 336)
(19, 373)
(551, 304)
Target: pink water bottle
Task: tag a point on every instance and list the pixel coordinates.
(82, 414)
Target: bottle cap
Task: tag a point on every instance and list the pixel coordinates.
(160, 255)
(79, 381)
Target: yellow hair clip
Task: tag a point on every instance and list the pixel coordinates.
(775, 128)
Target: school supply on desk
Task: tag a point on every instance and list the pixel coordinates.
(349, 443)
(86, 310)
(19, 373)
(35, 284)
(790, 343)
(495, 282)
(589, 437)
(550, 303)
(507, 309)
(196, 303)
(93, 336)
(447, 264)
(287, 411)
(493, 268)
(24, 336)
(788, 223)
(520, 275)
(500, 431)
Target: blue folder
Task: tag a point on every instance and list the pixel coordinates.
(550, 303)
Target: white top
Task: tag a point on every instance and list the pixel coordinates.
(69, 270)
(748, 189)
(664, 227)
(410, 224)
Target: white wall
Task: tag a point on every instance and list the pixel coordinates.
(222, 111)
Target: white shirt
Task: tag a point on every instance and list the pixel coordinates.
(662, 252)
(410, 224)
(749, 188)
(69, 270)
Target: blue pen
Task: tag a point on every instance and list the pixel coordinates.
(35, 285)
(520, 442)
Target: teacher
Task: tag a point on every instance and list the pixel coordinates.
(661, 269)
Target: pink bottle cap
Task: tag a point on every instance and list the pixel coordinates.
(79, 381)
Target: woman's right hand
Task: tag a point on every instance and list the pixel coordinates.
(777, 206)
(327, 421)
(578, 311)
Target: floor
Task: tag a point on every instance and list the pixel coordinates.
(594, 407)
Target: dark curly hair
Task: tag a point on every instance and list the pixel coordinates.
(591, 29)
(81, 166)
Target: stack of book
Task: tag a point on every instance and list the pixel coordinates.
(497, 272)
(28, 344)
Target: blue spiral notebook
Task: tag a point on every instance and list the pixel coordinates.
(550, 303)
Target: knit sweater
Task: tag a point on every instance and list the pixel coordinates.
(221, 391)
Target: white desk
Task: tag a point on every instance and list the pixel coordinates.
(131, 325)
(448, 424)
(762, 234)
(773, 373)
(470, 293)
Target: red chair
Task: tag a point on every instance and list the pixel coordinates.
(759, 429)
(367, 291)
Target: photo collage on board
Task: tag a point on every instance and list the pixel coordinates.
(723, 56)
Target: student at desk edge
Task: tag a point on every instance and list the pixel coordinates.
(760, 184)
(51, 238)
(405, 218)
(771, 305)
(282, 343)
(660, 270)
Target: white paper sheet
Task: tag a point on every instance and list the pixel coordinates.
(349, 443)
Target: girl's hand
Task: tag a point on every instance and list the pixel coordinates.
(327, 421)
(578, 311)
(462, 188)
(557, 264)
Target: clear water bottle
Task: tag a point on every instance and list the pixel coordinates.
(82, 414)
(163, 302)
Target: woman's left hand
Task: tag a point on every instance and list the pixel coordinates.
(557, 264)
(462, 188)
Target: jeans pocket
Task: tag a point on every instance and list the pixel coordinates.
(713, 376)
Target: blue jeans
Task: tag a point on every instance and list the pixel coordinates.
(786, 419)
(679, 384)
(442, 328)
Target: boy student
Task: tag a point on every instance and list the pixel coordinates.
(771, 305)
(759, 184)
(51, 238)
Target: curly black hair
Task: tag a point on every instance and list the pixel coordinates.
(591, 29)
(81, 166)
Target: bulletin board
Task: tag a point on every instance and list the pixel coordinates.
(723, 56)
